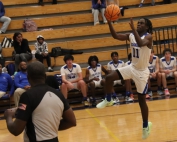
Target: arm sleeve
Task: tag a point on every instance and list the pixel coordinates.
(37, 48)
(65, 103)
(2, 10)
(10, 84)
(24, 110)
(103, 4)
(95, 6)
(17, 81)
(15, 47)
(27, 46)
(46, 48)
(79, 69)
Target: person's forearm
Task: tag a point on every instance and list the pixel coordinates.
(65, 125)
(173, 70)
(162, 71)
(74, 81)
(156, 71)
(113, 32)
(10, 126)
(89, 80)
(65, 81)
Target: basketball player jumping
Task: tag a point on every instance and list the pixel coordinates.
(140, 44)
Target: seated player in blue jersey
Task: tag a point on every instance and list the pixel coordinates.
(94, 76)
(128, 85)
(154, 74)
(21, 82)
(72, 78)
(168, 68)
(5, 83)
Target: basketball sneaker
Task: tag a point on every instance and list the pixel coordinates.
(150, 93)
(97, 23)
(104, 104)
(141, 4)
(147, 96)
(147, 131)
(166, 92)
(132, 96)
(86, 103)
(115, 100)
(128, 99)
(160, 92)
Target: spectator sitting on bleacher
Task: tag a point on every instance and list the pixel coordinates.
(22, 50)
(142, 1)
(42, 51)
(113, 65)
(154, 74)
(94, 76)
(5, 83)
(72, 78)
(98, 6)
(42, 3)
(21, 82)
(168, 68)
(128, 84)
(5, 20)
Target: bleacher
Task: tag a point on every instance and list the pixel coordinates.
(72, 22)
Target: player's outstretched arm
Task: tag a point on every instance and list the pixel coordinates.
(147, 41)
(115, 35)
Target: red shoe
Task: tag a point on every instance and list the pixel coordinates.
(166, 92)
(147, 96)
(131, 96)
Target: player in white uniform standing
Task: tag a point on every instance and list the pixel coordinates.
(168, 68)
(154, 74)
(112, 66)
(94, 76)
(140, 44)
(72, 78)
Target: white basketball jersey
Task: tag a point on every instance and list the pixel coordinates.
(112, 66)
(152, 65)
(71, 74)
(128, 63)
(95, 72)
(168, 65)
(140, 55)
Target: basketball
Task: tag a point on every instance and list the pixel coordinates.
(112, 12)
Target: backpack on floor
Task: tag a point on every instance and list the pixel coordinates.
(58, 78)
(29, 25)
(11, 69)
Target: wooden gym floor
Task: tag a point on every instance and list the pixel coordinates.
(120, 123)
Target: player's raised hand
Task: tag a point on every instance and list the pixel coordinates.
(132, 24)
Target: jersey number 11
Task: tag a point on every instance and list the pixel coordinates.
(135, 53)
